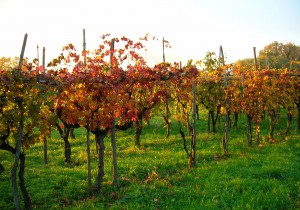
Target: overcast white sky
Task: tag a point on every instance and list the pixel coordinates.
(193, 27)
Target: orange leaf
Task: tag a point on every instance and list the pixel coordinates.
(117, 114)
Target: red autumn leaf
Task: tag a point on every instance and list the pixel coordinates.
(132, 53)
(40, 69)
(117, 114)
(124, 39)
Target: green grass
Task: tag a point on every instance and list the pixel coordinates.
(156, 175)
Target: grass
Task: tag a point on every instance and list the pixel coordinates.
(156, 175)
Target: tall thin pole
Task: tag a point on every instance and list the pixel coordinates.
(221, 56)
(44, 55)
(187, 114)
(194, 148)
(22, 51)
(163, 42)
(45, 139)
(88, 139)
(38, 54)
(88, 151)
(226, 124)
(84, 44)
(113, 132)
(257, 124)
(112, 47)
(19, 136)
(255, 59)
(268, 62)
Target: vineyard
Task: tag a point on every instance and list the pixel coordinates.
(172, 130)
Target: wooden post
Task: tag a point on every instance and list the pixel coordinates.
(113, 133)
(45, 139)
(226, 124)
(166, 104)
(88, 139)
(112, 47)
(22, 51)
(19, 134)
(256, 124)
(164, 58)
(255, 59)
(221, 56)
(187, 113)
(84, 43)
(114, 155)
(194, 140)
(38, 54)
(44, 55)
(88, 151)
(249, 118)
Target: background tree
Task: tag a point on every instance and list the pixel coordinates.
(243, 65)
(289, 50)
(279, 55)
(7, 63)
(275, 55)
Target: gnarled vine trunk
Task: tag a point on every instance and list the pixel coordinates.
(249, 130)
(214, 120)
(235, 119)
(17, 158)
(168, 126)
(197, 112)
(166, 115)
(138, 130)
(257, 133)
(99, 136)
(89, 171)
(65, 133)
(272, 119)
(67, 149)
(115, 182)
(189, 155)
(298, 107)
(25, 194)
(288, 123)
(72, 135)
(26, 198)
(208, 122)
(1, 168)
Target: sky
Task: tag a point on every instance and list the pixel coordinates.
(193, 27)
